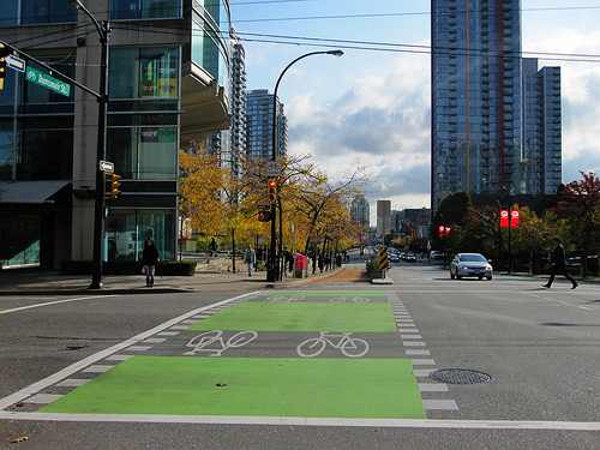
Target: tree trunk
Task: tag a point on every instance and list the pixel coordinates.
(233, 249)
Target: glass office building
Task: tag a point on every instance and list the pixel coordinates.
(260, 125)
(169, 68)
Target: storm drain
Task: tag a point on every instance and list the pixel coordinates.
(461, 376)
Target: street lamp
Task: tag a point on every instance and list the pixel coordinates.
(103, 29)
(273, 269)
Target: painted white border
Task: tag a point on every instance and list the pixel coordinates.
(82, 364)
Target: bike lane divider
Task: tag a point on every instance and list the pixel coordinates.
(435, 395)
(304, 354)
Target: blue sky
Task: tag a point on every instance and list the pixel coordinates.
(371, 109)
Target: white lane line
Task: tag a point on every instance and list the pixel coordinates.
(422, 373)
(79, 365)
(74, 382)
(413, 344)
(168, 333)
(433, 387)
(97, 368)
(154, 340)
(440, 405)
(180, 327)
(309, 421)
(417, 352)
(423, 362)
(138, 348)
(43, 399)
(56, 302)
(408, 337)
(408, 330)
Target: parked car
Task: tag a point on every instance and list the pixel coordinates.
(394, 257)
(471, 265)
(411, 257)
(436, 256)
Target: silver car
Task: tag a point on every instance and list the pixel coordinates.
(471, 265)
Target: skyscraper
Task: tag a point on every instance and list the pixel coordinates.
(260, 125)
(360, 211)
(384, 217)
(496, 119)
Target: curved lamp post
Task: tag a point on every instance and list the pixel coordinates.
(273, 273)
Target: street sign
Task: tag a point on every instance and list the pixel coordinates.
(16, 63)
(106, 167)
(47, 81)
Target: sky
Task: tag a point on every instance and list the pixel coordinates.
(371, 110)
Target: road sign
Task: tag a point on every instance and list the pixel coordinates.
(47, 81)
(16, 63)
(106, 167)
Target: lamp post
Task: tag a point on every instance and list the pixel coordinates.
(273, 269)
(103, 29)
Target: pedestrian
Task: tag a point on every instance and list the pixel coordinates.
(250, 259)
(149, 259)
(213, 247)
(321, 262)
(559, 265)
(290, 263)
(313, 258)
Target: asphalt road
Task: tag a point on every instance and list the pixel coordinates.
(540, 348)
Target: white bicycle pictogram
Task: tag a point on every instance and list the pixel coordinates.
(212, 342)
(349, 346)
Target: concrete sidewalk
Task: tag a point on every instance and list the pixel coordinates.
(55, 283)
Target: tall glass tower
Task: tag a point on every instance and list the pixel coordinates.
(476, 97)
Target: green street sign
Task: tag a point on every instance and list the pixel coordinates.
(47, 81)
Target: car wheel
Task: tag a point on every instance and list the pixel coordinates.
(489, 278)
(480, 277)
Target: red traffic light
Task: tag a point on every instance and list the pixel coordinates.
(444, 231)
(272, 184)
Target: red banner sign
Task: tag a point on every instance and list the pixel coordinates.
(514, 219)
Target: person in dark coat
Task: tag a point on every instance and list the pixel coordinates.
(559, 265)
(314, 261)
(321, 260)
(149, 261)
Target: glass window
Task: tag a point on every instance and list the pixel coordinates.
(144, 9)
(126, 230)
(34, 94)
(21, 236)
(47, 11)
(45, 154)
(9, 13)
(6, 149)
(144, 153)
(144, 73)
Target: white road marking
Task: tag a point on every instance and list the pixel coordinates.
(422, 373)
(423, 362)
(408, 337)
(119, 357)
(440, 405)
(74, 382)
(97, 368)
(310, 421)
(413, 344)
(417, 352)
(168, 333)
(56, 302)
(180, 327)
(43, 399)
(76, 367)
(433, 387)
(408, 330)
(138, 348)
(154, 340)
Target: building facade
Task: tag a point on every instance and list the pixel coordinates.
(169, 66)
(360, 212)
(496, 126)
(384, 217)
(260, 125)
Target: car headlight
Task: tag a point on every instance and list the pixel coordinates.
(488, 267)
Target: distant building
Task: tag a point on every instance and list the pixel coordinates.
(260, 125)
(360, 211)
(384, 216)
(417, 221)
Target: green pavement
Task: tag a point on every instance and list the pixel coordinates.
(330, 294)
(349, 388)
(290, 317)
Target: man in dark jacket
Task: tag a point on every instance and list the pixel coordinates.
(559, 265)
(149, 260)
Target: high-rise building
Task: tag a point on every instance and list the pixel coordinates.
(542, 120)
(360, 211)
(483, 98)
(260, 125)
(168, 87)
(384, 217)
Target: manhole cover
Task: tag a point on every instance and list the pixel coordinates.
(461, 376)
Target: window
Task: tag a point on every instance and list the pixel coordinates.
(9, 13)
(140, 73)
(63, 61)
(6, 149)
(144, 153)
(145, 9)
(126, 230)
(47, 11)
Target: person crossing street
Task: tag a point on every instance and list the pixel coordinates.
(559, 266)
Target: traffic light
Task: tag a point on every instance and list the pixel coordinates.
(115, 185)
(264, 214)
(444, 231)
(4, 52)
(272, 189)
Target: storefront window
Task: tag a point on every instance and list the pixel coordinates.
(9, 13)
(21, 238)
(145, 9)
(47, 11)
(6, 149)
(126, 230)
(144, 153)
(140, 73)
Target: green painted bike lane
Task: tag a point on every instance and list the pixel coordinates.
(254, 386)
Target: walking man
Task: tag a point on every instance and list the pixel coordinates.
(149, 260)
(559, 265)
(250, 259)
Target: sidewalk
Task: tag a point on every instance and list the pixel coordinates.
(55, 283)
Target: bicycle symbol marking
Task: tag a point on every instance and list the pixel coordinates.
(350, 347)
(212, 342)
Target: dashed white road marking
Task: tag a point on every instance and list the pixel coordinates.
(417, 352)
(74, 382)
(119, 357)
(97, 368)
(138, 348)
(43, 399)
(55, 302)
(433, 387)
(413, 344)
(154, 340)
(408, 337)
(168, 333)
(440, 405)
(423, 373)
(423, 362)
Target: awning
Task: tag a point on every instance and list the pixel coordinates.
(30, 192)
